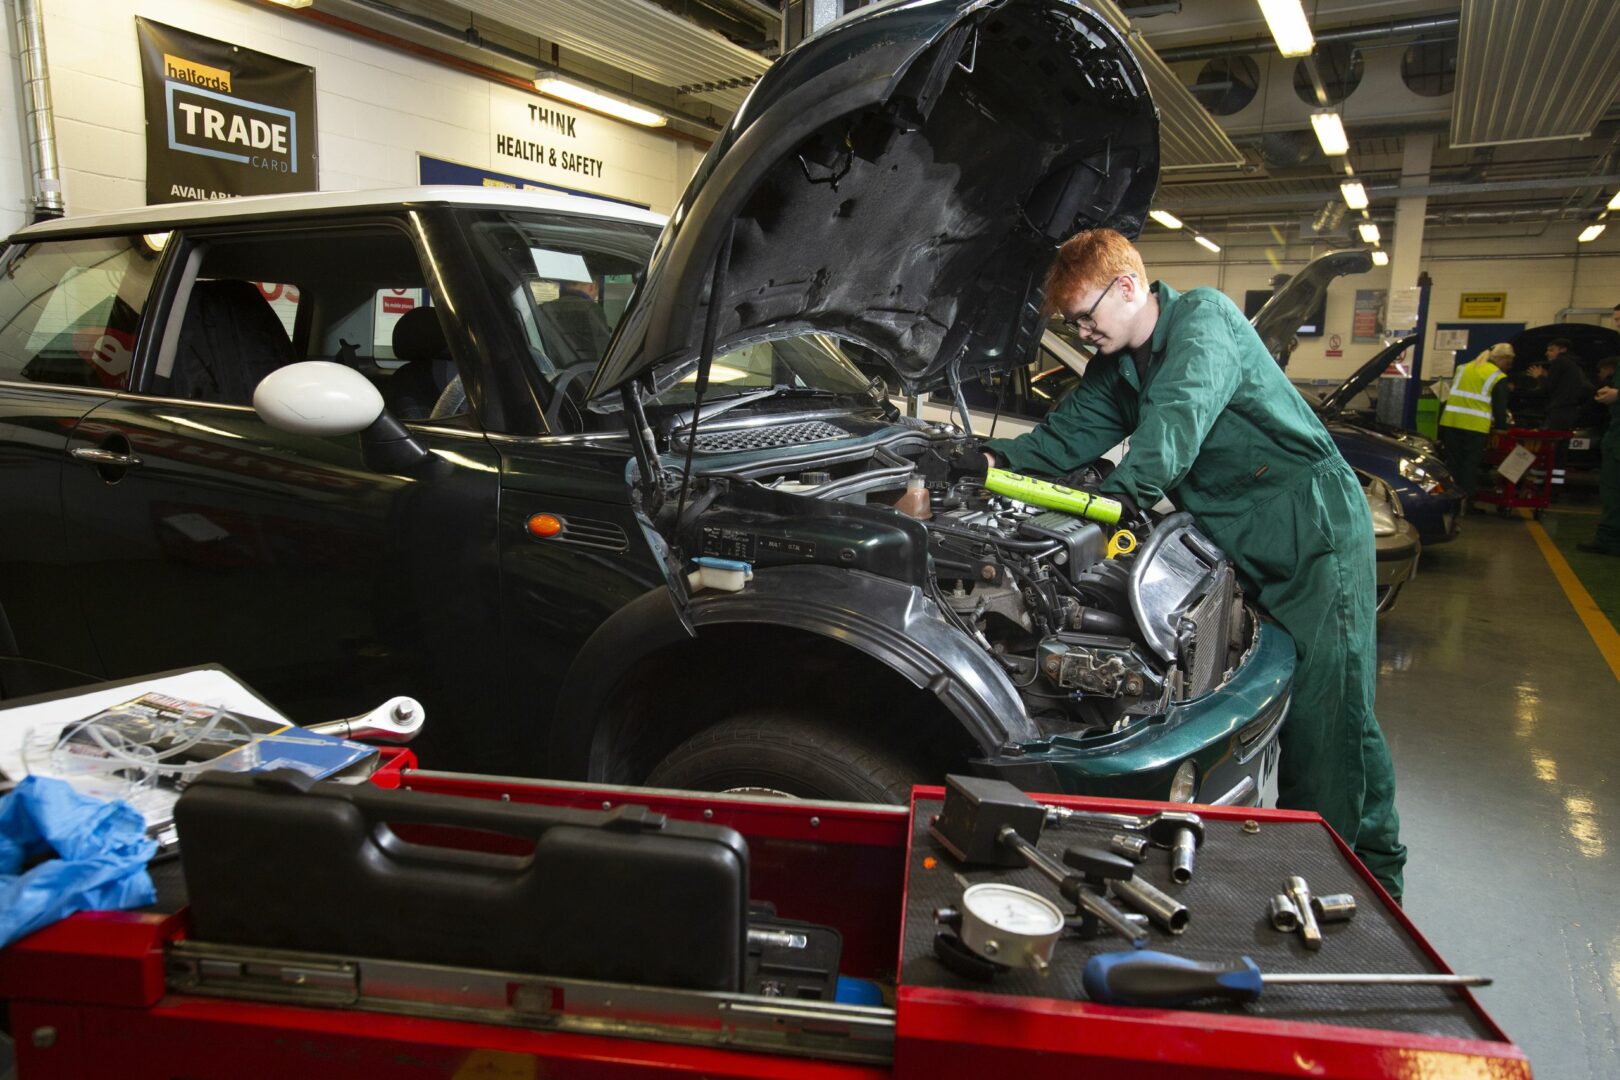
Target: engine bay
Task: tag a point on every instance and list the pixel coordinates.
(1093, 624)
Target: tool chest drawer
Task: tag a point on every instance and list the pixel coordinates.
(1244, 860)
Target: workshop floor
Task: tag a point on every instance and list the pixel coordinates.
(1502, 709)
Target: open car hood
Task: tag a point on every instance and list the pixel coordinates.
(1291, 305)
(1334, 402)
(902, 179)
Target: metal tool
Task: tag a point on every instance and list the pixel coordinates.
(1006, 925)
(991, 822)
(1283, 914)
(1162, 908)
(1132, 847)
(1183, 849)
(1155, 978)
(1161, 828)
(1135, 918)
(1096, 868)
(778, 939)
(1336, 907)
(1300, 893)
(397, 720)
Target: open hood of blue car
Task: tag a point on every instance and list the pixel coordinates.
(902, 179)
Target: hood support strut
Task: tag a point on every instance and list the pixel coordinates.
(711, 325)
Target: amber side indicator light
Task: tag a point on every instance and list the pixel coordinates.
(545, 526)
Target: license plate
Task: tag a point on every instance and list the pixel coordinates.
(1580, 444)
(1268, 775)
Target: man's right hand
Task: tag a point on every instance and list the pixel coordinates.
(1607, 395)
(971, 461)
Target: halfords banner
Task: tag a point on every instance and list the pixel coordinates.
(222, 120)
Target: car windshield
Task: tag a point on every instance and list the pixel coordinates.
(811, 363)
(567, 277)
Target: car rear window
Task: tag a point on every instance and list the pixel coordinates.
(70, 310)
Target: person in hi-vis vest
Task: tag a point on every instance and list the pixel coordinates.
(1477, 402)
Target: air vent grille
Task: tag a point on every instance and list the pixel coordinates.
(766, 438)
(583, 532)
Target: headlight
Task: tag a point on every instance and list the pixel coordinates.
(1385, 507)
(1383, 520)
(1424, 476)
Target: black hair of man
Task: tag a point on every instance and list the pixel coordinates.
(1563, 343)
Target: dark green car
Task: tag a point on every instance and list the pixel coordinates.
(613, 502)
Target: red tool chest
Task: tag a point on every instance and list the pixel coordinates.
(125, 993)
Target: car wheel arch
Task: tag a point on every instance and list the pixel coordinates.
(877, 637)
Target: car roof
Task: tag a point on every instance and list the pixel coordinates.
(322, 203)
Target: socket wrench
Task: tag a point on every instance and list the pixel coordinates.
(397, 720)
(1150, 900)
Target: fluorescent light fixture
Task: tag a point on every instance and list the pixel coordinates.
(1165, 218)
(581, 95)
(1380, 258)
(1355, 196)
(1369, 232)
(1207, 242)
(1288, 26)
(1614, 203)
(293, 3)
(1591, 232)
(1330, 133)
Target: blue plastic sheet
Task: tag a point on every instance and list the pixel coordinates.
(95, 854)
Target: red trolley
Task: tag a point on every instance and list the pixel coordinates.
(1533, 488)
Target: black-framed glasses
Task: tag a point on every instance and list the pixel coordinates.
(1084, 320)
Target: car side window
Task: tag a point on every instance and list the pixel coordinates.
(70, 310)
(353, 295)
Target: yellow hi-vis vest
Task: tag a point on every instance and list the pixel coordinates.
(1469, 404)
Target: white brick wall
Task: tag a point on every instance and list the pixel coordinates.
(377, 109)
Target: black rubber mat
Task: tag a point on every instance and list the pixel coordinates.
(1237, 874)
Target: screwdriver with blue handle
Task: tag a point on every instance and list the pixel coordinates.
(1155, 978)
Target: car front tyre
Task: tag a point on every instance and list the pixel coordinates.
(780, 752)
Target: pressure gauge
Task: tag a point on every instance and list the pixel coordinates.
(1010, 925)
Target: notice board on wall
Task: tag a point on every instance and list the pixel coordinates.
(222, 120)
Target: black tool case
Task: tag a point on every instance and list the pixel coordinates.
(276, 861)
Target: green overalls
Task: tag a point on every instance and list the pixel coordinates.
(1215, 424)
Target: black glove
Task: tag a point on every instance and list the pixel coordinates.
(968, 462)
(1131, 516)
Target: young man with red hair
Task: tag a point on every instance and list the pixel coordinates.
(1214, 424)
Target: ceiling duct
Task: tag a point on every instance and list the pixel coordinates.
(1189, 138)
(1430, 26)
(1381, 96)
(1529, 71)
(641, 38)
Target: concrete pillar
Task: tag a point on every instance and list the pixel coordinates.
(1406, 246)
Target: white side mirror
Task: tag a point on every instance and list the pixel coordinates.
(317, 397)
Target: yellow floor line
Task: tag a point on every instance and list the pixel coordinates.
(1603, 633)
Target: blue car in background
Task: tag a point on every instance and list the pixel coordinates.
(1408, 462)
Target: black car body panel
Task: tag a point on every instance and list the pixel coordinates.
(1280, 318)
(901, 180)
(574, 590)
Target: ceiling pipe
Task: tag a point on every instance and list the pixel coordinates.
(1447, 24)
(36, 99)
